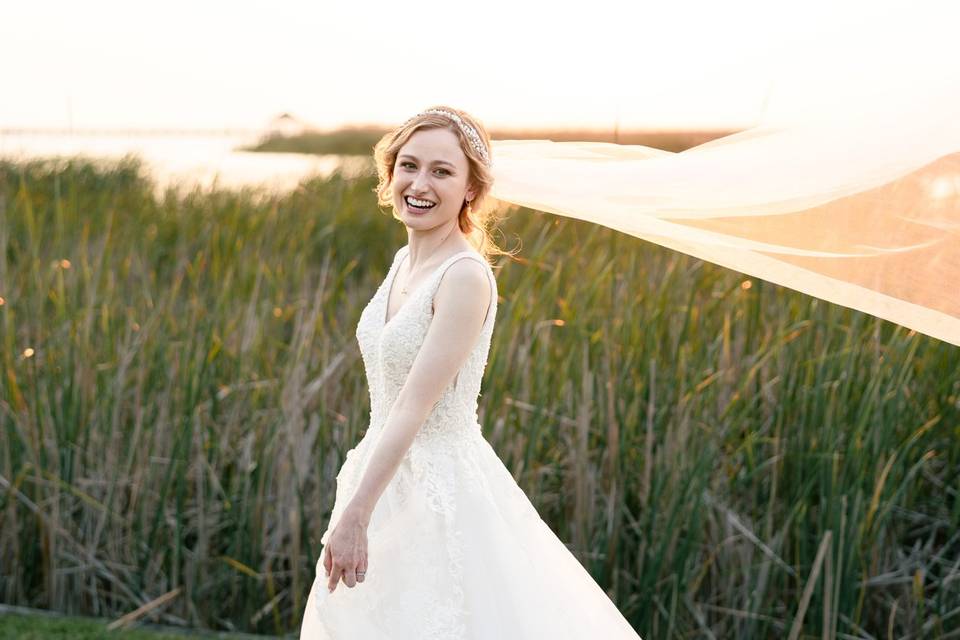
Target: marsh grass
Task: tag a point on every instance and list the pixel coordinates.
(29, 624)
(181, 381)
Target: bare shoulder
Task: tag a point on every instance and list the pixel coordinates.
(464, 288)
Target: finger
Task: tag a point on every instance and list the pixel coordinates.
(350, 577)
(362, 569)
(327, 561)
(334, 578)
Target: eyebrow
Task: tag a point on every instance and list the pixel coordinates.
(407, 155)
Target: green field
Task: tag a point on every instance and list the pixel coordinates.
(180, 383)
(31, 626)
(16, 627)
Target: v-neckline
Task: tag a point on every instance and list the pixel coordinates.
(393, 277)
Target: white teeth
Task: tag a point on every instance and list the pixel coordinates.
(419, 203)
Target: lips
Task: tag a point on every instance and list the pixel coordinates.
(414, 208)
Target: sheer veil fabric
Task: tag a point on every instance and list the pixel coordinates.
(853, 198)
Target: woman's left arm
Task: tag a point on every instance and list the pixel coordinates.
(460, 306)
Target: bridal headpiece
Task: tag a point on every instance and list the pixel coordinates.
(475, 140)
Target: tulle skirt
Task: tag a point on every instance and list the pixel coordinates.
(456, 550)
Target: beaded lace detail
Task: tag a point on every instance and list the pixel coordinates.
(444, 451)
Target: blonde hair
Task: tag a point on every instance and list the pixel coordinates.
(476, 225)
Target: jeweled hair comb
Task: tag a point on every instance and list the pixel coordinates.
(475, 140)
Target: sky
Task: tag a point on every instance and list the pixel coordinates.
(512, 63)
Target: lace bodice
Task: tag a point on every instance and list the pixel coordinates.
(389, 349)
(441, 447)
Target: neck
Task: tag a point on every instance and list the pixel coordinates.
(424, 245)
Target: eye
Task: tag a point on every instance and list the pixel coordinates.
(406, 164)
(444, 171)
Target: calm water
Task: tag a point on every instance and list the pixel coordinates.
(187, 160)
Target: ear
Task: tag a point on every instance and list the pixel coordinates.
(470, 194)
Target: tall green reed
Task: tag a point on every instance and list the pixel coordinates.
(181, 382)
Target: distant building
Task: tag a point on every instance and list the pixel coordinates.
(285, 125)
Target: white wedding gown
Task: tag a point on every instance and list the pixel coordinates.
(456, 550)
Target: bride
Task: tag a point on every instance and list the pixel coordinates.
(430, 535)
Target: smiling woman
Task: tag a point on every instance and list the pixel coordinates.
(436, 160)
(430, 533)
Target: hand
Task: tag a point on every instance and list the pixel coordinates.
(346, 550)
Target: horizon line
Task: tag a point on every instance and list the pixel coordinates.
(170, 130)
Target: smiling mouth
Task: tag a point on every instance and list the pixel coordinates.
(415, 204)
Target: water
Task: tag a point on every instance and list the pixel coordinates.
(185, 161)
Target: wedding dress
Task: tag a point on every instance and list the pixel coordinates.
(456, 549)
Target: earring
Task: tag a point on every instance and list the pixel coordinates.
(469, 209)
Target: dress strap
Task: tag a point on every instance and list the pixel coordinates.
(397, 259)
(438, 276)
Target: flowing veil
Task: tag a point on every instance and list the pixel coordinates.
(852, 196)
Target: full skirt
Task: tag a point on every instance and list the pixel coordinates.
(457, 551)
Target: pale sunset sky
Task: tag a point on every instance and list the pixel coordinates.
(213, 64)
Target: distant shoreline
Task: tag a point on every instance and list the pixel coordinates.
(361, 140)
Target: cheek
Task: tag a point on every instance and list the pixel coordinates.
(453, 190)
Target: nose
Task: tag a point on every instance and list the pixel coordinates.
(420, 182)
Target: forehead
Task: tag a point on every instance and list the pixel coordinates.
(429, 145)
